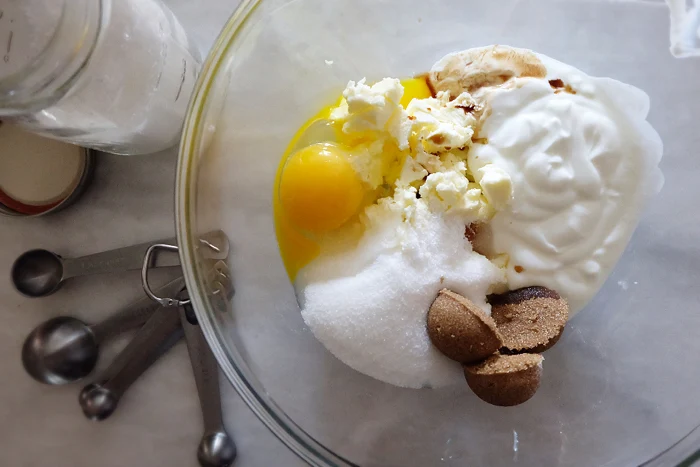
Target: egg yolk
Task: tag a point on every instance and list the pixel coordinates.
(319, 189)
(297, 248)
(414, 88)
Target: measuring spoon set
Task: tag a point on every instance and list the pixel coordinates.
(65, 349)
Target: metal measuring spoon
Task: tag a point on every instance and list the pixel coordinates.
(38, 273)
(216, 448)
(99, 400)
(64, 349)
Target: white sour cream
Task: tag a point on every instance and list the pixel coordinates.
(581, 166)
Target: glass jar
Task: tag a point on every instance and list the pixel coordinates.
(110, 75)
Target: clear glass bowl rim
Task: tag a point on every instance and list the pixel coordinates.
(684, 452)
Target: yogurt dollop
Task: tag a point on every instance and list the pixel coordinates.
(582, 160)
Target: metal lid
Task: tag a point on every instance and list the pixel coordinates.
(20, 197)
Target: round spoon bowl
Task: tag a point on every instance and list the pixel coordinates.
(97, 402)
(37, 273)
(59, 351)
(216, 449)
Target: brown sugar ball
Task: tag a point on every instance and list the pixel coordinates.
(530, 319)
(505, 380)
(460, 329)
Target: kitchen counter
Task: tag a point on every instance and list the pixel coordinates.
(158, 421)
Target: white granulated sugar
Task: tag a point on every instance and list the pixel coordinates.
(369, 305)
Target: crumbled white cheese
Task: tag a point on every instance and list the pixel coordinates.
(440, 132)
(368, 161)
(442, 125)
(411, 172)
(443, 162)
(452, 193)
(403, 203)
(496, 185)
(376, 108)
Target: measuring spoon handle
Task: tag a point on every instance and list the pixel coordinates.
(133, 315)
(122, 259)
(215, 243)
(156, 337)
(206, 372)
(216, 448)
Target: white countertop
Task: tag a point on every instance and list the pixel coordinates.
(158, 421)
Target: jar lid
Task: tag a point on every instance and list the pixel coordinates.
(38, 175)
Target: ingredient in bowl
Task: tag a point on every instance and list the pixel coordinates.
(298, 248)
(319, 189)
(460, 330)
(581, 164)
(519, 172)
(479, 69)
(366, 294)
(531, 319)
(505, 380)
(368, 304)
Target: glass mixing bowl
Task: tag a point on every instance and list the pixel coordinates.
(622, 385)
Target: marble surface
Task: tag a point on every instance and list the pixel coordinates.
(158, 421)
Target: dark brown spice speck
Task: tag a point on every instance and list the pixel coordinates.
(467, 108)
(556, 83)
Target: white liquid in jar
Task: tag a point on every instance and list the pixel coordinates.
(26, 26)
(132, 95)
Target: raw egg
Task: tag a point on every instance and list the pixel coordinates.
(317, 190)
